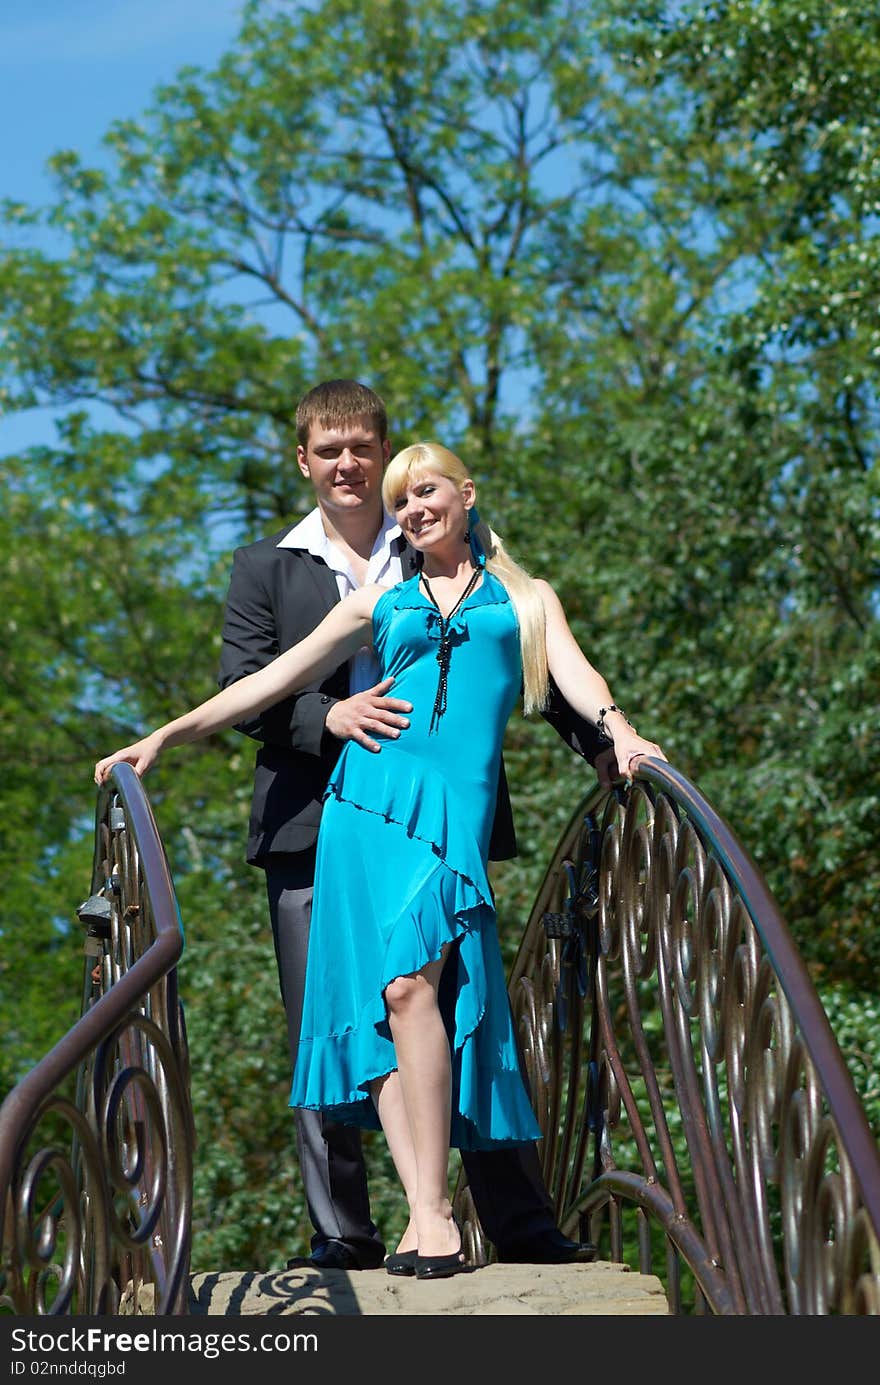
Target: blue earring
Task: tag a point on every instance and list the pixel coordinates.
(478, 553)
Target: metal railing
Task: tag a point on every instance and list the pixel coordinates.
(698, 1119)
(96, 1141)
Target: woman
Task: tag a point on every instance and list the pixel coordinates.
(401, 894)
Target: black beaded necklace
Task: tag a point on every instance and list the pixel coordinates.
(444, 653)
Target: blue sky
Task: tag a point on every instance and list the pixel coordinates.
(68, 68)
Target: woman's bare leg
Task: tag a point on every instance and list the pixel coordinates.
(424, 1069)
(388, 1100)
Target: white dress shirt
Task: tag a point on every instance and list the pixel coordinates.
(383, 568)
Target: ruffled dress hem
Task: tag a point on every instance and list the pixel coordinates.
(442, 897)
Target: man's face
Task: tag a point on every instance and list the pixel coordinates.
(345, 465)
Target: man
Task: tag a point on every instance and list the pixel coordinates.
(281, 587)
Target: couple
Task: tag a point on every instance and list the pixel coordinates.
(405, 1020)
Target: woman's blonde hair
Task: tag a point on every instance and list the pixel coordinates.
(422, 457)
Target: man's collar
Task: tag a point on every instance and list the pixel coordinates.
(306, 533)
(309, 534)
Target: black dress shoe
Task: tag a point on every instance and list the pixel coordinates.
(548, 1248)
(333, 1255)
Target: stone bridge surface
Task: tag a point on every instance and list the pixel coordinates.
(602, 1288)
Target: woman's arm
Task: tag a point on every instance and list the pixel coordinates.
(341, 633)
(584, 688)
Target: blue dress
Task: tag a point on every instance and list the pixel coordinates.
(401, 871)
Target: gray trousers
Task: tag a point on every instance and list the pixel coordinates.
(507, 1185)
(331, 1159)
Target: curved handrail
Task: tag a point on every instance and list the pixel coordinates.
(682, 1066)
(656, 986)
(130, 1125)
(794, 978)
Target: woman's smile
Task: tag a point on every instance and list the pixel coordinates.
(431, 509)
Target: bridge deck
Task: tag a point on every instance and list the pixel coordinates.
(538, 1290)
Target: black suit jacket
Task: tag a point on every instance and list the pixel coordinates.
(276, 597)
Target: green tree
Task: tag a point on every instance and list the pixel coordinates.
(732, 394)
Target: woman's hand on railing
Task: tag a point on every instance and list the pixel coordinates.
(630, 747)
(141, 755)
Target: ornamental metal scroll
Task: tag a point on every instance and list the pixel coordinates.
(96, 1141)
(698, 1119)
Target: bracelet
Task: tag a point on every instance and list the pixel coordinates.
(603, 712)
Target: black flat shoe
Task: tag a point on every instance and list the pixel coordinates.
(402, 1262)
(442, 1266)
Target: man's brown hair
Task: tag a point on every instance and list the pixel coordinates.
(335, 402)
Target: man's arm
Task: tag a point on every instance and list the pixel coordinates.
(305, 721)
(580, 735)
(587, 692)
(250, 641)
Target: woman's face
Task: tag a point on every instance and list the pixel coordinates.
(432, 511)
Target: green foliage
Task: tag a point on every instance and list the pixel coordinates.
(623, 256)
(854, 1019)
